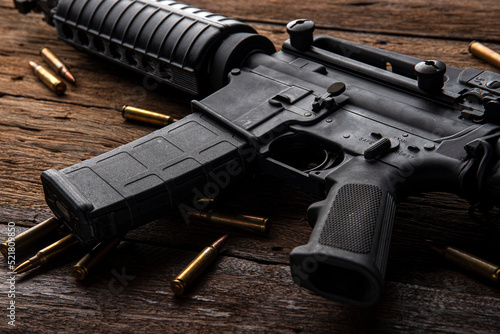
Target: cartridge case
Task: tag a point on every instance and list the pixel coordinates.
(206, 201)
(472, 263)
(55, 85)
(467, 261)
(56, 64)
(57, 248)
(244, 223)
(481, 51)
(146, 116)
(33, 235)
(196, 267)
(93, 258)
(48, 254)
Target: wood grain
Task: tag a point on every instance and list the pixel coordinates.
(460, 19)
(249, 288)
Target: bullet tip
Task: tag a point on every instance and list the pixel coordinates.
(25, 266)
(33, 64)
(70, 77)
(434, 246)
(220, 243)
(3, 248)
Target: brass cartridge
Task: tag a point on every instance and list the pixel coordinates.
(238, 222)
(197, 266)
(91, 259)
(32, 235)
(146, 116)
(468, 261)
(56, 64)
(206, 201)
(48, 254)
(481, 51)
(55, 85)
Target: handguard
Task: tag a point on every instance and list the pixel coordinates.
(175, 44)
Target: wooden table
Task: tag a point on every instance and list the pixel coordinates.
(249, 289)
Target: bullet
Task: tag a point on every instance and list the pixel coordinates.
(468, 261)
(197, 266)
(207, 201)
(238, 222)
(55, 85)
(57, 65)
(32, 235)
(48, 254)
(146, 116)
(485, 53)
(89, 261)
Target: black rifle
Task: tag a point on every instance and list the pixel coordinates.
(324, 113)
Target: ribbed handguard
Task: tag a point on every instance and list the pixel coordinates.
(173, 43)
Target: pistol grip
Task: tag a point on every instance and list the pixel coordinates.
(346, 256)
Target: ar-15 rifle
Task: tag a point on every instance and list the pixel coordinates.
(324, 114)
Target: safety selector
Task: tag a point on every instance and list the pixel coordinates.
(381, 147)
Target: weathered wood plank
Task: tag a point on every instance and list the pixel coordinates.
(461, 19)
(131, 291)
(249, 289)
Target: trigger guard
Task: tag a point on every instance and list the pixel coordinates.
(313, 212)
